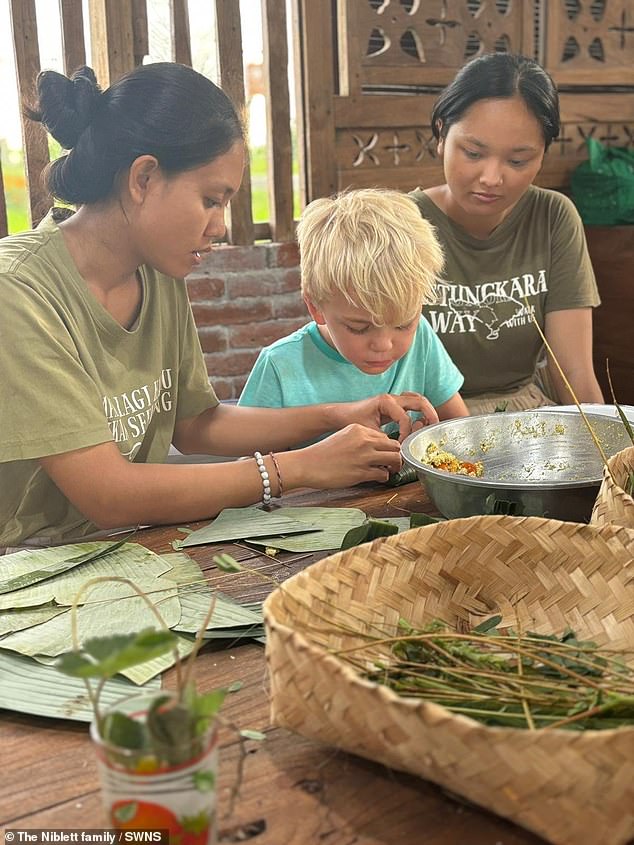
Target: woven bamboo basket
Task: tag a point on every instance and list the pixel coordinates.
(613, 505)
(570, 787)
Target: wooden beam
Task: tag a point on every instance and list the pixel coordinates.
(179, 28)
(73, 45)
(140, 35)
(229, 32)
(278, 116)
(318, 90)
(4, 220)
(27, 64)
(112, 39)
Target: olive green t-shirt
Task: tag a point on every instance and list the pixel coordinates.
(537, 253)
(73, 377)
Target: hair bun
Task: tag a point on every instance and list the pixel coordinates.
(67, 106)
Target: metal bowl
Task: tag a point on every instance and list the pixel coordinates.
(536, 463)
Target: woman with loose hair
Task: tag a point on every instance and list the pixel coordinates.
(106, 368)
(513, 251)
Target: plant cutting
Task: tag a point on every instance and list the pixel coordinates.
(157, 752)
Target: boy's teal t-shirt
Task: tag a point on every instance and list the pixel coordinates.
(302, 369)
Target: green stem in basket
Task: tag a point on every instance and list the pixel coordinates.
(520, 672)
(624, 419)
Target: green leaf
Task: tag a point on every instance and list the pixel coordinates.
(209, 703)
(487, 625)
(169, 723)
(417, 520)
(257, 735)
(126, 812)
(370, 530)
(204, 781)
(103, 657)
(235, 686)
(227, 563)
(123, 732)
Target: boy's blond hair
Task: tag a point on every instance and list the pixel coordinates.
(373, 246)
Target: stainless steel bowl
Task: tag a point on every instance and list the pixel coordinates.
(536, 463)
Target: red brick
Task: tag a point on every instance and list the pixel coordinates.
(261, 334)
(290, 280)
(224, 387)
(284, 255)
(213, 338)
(252, 284)
(223, 313)
(238, 385)
(223, 259)
(289, 305)
(204, 288)
(230, 363)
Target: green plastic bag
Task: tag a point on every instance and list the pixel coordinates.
(603, 186)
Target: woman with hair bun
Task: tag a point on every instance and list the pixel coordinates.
(512, 249)
(106, 369)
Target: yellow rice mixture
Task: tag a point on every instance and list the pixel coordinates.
(447, 461)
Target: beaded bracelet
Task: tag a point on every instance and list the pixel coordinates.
(280, 486)
(266, 484)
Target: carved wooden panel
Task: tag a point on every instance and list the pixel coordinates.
(418, 41)
(590, 42)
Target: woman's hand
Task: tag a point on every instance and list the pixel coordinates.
(354, 454)
(379, 410)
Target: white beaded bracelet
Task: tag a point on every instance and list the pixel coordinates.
(266, 484)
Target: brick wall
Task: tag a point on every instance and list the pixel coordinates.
(243, 298)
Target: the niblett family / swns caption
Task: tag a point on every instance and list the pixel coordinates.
(101, 836)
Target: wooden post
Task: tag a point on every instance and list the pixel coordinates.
(4, 220)
(232, 82)
(140, 37)
(179, 25)
(27, 63)
(316, 45)
(112, 39)
(72, 35)
(278, 117)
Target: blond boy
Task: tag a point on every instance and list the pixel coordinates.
(369, 263)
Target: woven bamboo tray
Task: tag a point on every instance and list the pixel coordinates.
(613, 505)
(570, 787)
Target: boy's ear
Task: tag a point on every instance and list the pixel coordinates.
(314, 312)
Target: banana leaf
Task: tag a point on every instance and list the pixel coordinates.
(19, 571)
(229, 619)
(334, 524)
(30, 687)
(109, 609)
(128, 561)
(28, 617)
(244, 523)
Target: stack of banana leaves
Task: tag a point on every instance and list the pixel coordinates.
(38, 588)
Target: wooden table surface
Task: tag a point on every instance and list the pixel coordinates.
(293, 791)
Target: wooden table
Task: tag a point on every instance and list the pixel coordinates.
(294, 791)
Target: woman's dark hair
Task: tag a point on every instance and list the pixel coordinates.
(165, 109)
(499, 76)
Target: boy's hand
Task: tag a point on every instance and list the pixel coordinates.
(378, 410)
